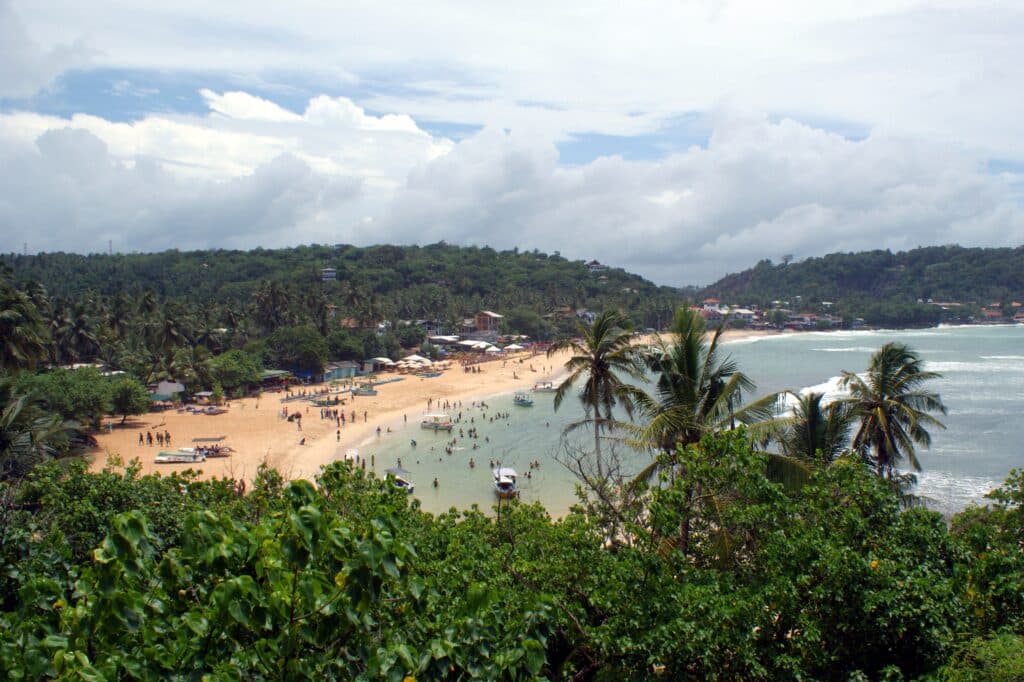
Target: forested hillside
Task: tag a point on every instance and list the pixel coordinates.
(857, 281)
(438, 281)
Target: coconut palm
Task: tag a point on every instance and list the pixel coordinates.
(893, 408)
(604, 353)
(23, 334)
(814, 431)
(30, 434)
(697, 389)
(813, 434)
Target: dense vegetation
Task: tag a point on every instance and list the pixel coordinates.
(114, 575)
(884, 287)
(436, 282)
(756, 545)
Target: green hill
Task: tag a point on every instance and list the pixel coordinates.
(438, 281)
(874, 282)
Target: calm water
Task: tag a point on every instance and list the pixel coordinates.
(982, 385)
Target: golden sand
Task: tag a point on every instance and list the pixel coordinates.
(258, 432)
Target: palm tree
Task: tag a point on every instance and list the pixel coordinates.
(893, 408)
(604, 353)
(30, 434)
(813, 435)
(23, 337)
(814, 432)
(697, 390)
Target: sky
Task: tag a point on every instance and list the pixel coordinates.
(680, 140)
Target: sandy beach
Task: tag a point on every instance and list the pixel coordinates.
(258, 431)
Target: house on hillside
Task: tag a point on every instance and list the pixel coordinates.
(596, 266)
(328, 274)
(487, 321)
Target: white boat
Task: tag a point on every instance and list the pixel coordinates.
(400, 478)
(505, 483)
(436, 422)
(179, 457)
(545, 387)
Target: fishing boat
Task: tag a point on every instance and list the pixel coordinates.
(545, 387)
(436, 422)
(400, 478)
(365, 390)
(505, 483)
(207, 451)
(179, 457)
(523, 400)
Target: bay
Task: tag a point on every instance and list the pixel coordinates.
(982, 385)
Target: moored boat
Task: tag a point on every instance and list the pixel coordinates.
(505, 483)
(179, 457)
(523, 400)
(545, 387)
(436, 422)
(400, 478)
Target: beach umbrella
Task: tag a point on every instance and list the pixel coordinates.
(383, 361)
(514, 346)
(493, 349)
(418, 358)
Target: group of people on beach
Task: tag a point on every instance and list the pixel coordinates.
(161, 438)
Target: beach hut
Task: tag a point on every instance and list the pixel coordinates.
(166, 390)
(345, 369)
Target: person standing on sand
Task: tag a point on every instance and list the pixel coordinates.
(338, 434)
(149, 438)
(142, 439)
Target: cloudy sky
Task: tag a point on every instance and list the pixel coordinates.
(681, 140)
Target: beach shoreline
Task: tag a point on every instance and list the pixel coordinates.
(259, 433)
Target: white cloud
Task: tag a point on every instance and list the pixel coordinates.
(949, 69)
(25, 68)
(759, 190)
(251, 173)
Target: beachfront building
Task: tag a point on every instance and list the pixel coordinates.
(596, 266)
(345, 369)
(487, 321)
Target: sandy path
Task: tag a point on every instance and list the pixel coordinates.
(258, 432)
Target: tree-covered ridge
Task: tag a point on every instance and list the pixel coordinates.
(438, 281)
(977, 276)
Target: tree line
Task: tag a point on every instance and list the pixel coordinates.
(886, 288)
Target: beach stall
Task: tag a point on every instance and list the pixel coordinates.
(345, 369)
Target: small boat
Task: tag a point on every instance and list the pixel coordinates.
(179, 457)
(436, 422)
(545, 387)
(522, 400)
(367, 390)
(430, 375)
(400, 478)
(207, 451)
(505, 483)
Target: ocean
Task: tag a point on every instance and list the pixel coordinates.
(982, 385)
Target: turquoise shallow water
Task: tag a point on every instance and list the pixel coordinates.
(982, 385)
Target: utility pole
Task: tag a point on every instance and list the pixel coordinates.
(110, 247)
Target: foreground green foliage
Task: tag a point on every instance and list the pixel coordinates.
(115, 575)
